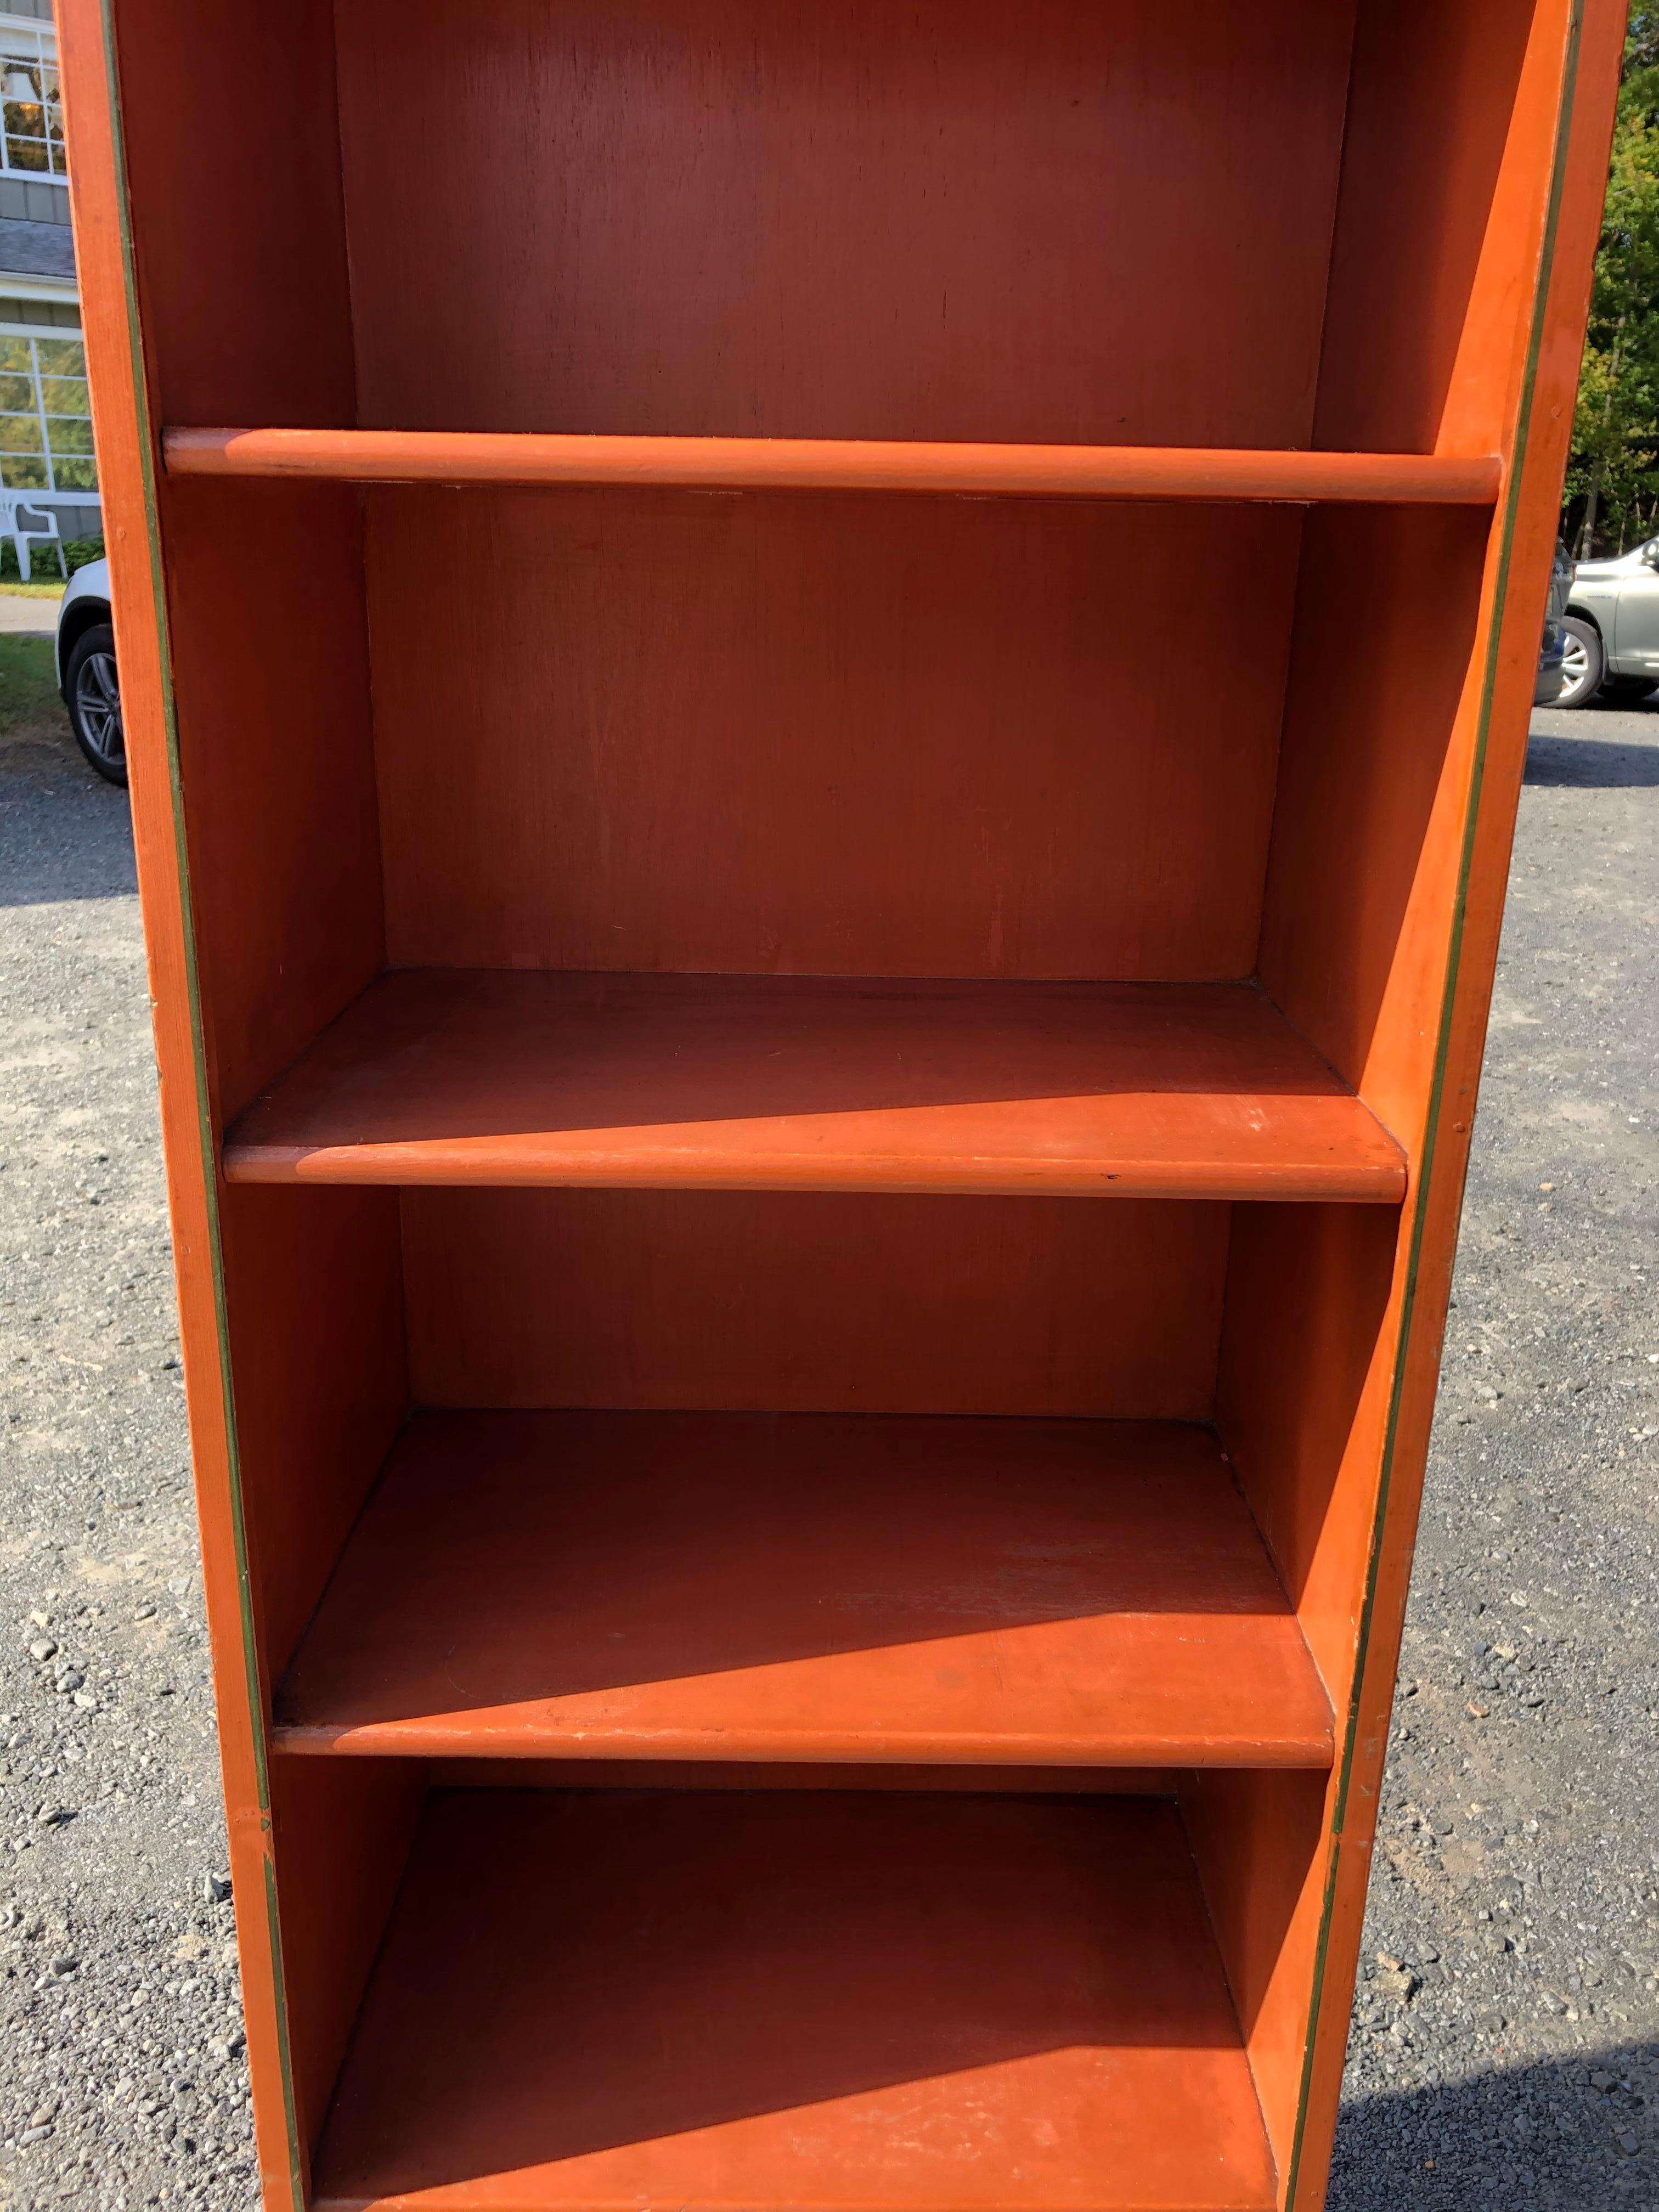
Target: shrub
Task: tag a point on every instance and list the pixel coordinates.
(43, 558)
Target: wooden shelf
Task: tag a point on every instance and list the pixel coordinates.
(726, 1082)
(880, 2003)
(807, 1586)
(1028, 471)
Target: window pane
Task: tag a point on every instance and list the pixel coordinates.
(31, 109)
(25, 72)
(20, 434)
(65, 460)
(61, 357)
(26, 144)
(65, 395)
(68, 435)
(27, 157)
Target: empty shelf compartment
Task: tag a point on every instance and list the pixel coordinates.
(863, 2001)
(738, 1082)
(805, 1587)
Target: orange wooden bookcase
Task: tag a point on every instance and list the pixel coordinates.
(825, 706)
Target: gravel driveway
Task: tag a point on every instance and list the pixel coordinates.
(1506, 2034)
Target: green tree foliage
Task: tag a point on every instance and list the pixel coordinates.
(1612, 477)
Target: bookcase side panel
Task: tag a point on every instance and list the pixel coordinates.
(1586, 44)
(244, 676)
(232, 142)
(1434, 91)
(1307, 1352)
(1308, 1347)
(1380, 708)
(135, 313)
(313, 1297)
(1260, 1841)
(270, 680)
(341, 1833)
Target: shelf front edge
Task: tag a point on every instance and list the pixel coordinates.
(485, 1736)
(1056, 472)
(1372, 1178)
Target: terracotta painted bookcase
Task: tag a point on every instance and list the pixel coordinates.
(825, 705)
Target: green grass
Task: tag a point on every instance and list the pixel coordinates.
(11, 589)
(28, 689)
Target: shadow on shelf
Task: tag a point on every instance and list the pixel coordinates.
(664, 1991)
(586, 1555)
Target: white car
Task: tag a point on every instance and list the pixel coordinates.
(1611, 626)
(85, 671)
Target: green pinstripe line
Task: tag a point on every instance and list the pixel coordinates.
(198, 1052)
(1442, 1047)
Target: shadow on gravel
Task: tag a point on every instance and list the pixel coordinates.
(1569, 2136)
(64, 833)
(1591, 763)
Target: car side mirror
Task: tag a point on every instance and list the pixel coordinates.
(1650, 552)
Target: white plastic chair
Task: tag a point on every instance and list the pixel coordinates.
(11, 506)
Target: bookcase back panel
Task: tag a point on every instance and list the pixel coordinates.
(847, 220)
(763, 1302)
(826, 734)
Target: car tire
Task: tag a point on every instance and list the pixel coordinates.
(1584, 665)
(92, 693)
(1626, 690)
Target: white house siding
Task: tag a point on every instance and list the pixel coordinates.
(43, 444)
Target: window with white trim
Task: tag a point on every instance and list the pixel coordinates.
(45, 421)
(31, 106)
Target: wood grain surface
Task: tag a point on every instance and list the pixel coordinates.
(716, 217)
(822, 734)
(986, 2004)
(719, 1586)
(814, 1302)
(745, 1083)
(1209, 473)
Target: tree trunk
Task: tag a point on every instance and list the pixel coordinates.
(1587, 535)
(1592, 500)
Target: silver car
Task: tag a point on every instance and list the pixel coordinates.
(1612, 627)
(85, 671)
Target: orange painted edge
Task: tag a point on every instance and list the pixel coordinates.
(1529, 512)
(481, 1736)
(830, 464)
(127, 456)
(463, 1164)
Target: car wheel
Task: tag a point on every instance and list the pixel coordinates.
(92, 693)
(1626, 690)
(1582, 664)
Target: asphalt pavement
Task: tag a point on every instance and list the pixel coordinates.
(1505, 2047)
